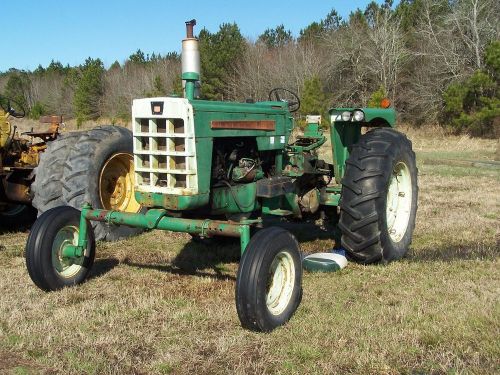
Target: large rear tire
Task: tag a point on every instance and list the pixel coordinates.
(269, 280)
(379, 197)
(47, 265)
(99, 170)
(47, 187)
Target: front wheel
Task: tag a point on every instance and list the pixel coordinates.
(269, 280)
(47, 264)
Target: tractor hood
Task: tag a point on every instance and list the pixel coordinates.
(371, 116)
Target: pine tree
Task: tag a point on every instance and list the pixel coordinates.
(138, 57)
(177, 87)
(17, 89)
(89, 90)
(56, 67)
(158, 88)
(314, 100)
(219, 52)
(473, 105)
(275, 38)
(115, 66)
(312, 33)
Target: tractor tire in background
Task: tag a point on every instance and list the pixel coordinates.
(47, 187)
(17, 216)
(99, 170)
(379, 197)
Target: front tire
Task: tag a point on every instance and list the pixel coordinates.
(269, 280)
(379, 197)
(47, 266)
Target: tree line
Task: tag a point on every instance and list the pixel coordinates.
(438, 61)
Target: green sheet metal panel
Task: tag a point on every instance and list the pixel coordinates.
(373, 116)
(205, 112)
(346, 133)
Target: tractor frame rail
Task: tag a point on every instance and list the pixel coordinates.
(159, 219)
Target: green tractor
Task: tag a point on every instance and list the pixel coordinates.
(217, 168)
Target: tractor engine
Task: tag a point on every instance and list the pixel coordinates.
(237, 160)
(191, 154)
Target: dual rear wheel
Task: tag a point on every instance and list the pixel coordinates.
(95, 166)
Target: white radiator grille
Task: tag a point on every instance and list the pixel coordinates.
(164, 147)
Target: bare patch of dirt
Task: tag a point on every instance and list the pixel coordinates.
(13, 363)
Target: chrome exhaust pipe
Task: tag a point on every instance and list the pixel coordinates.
(190, 61)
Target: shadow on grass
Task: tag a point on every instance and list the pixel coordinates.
(208, 257)
(13, 363)
(307, 231)
(454, 252)
(178, 271)
(103, 266)
(200, 259)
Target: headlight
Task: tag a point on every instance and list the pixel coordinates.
(358, 116)
(346, 116)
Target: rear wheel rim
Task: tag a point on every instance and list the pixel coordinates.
(399, 198)
(116, 184)
(66, 267)
(280, 283)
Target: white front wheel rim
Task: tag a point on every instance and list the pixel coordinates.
(399, 197)
(280, 283)
(66, 267)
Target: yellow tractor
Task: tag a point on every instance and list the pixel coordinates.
(40, 170)
(18, 159)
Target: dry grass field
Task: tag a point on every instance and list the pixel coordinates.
(160, 303)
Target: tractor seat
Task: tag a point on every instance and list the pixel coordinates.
(51, 132)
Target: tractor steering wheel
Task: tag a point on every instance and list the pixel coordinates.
(280, 94)
(5, 104)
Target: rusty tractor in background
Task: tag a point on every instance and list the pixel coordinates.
(43, 169)
(19, 156)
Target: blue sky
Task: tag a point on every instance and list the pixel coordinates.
(36, 31)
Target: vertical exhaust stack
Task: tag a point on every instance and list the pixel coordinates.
(190, 58)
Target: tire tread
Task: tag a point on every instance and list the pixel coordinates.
(363, 188)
